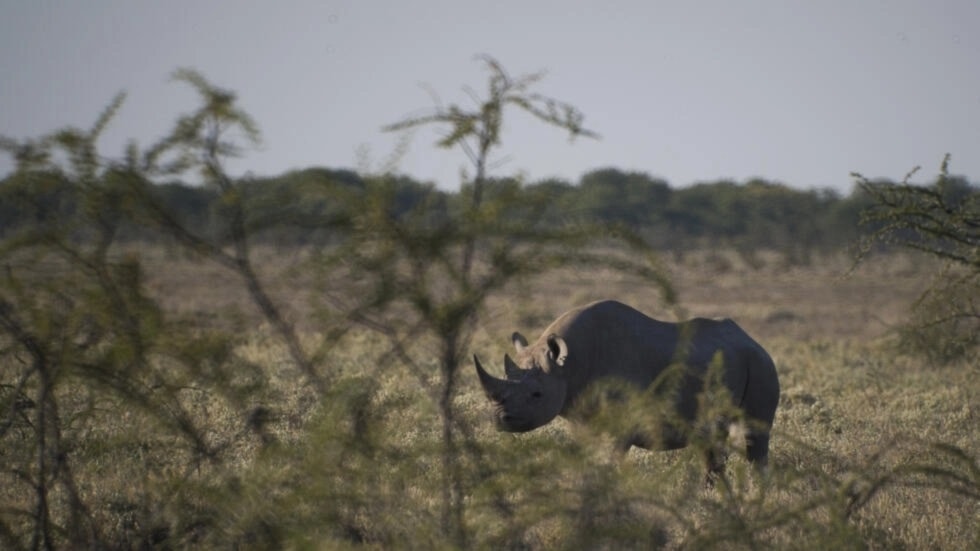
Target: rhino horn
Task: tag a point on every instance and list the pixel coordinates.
(493, 386)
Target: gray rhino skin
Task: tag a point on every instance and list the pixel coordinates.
(608, 339)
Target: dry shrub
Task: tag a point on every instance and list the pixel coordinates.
(945, 321)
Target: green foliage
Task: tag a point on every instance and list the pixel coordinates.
(290, 209)
(295, 209)
(609, 194)
(83, 342)
(940, 220)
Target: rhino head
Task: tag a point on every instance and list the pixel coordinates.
(532, 394)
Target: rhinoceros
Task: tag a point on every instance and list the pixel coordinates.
(610, 341)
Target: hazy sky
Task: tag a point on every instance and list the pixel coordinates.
(803, 92)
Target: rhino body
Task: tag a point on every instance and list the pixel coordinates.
(608, 340)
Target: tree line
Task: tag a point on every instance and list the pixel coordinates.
(756, 215)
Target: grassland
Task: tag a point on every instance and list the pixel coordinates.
(871, 449)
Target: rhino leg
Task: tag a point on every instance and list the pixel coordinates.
(715, 459)
(716, 454)
(757, 448)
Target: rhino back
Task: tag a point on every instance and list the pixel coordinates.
(610, 339)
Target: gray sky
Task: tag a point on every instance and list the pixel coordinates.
(803, 92)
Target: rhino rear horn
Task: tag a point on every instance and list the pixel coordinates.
(492, 386)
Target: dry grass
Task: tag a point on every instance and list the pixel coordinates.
(362, 464)
(830, 299)
(847, 399)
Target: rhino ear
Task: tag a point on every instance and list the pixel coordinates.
(511, 369)
(519, 341)
(557, 349)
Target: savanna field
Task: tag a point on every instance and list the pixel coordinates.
(288, 363)
(871, 448)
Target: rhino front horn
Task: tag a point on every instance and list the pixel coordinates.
(493, 386)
